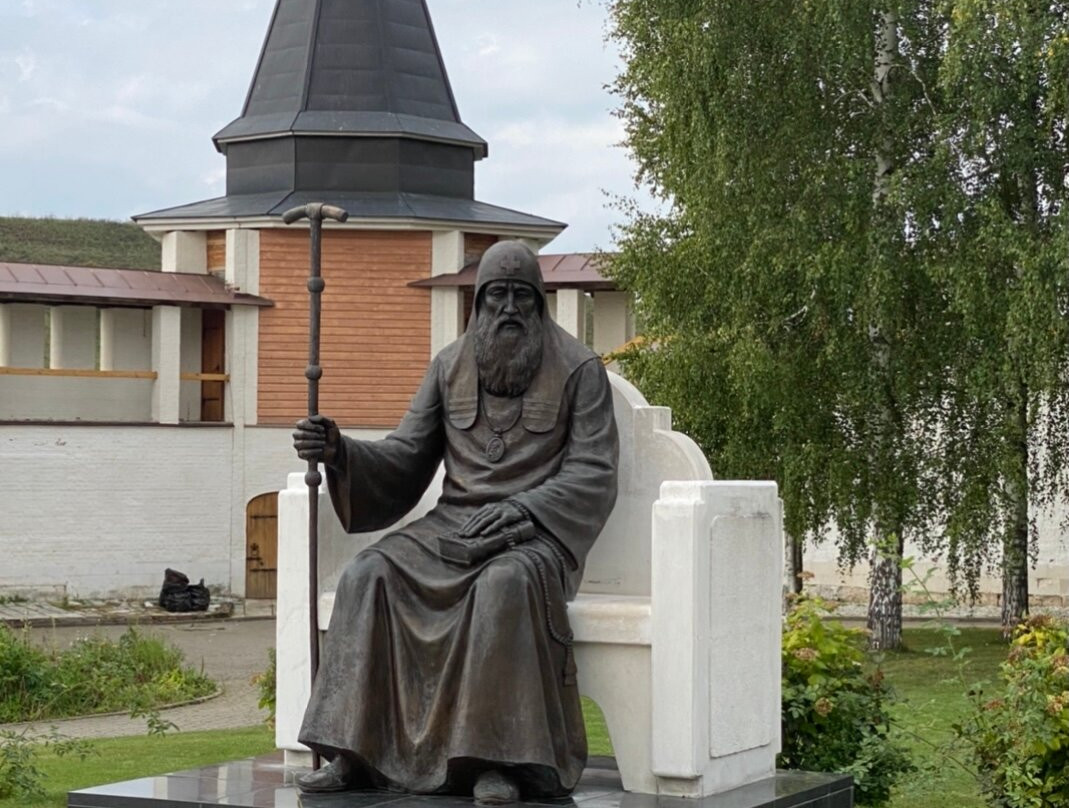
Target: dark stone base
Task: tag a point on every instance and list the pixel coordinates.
(264, 782)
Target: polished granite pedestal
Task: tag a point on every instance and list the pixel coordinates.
(264, 782)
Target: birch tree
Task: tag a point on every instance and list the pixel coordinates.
(999, 223)
(794, 326)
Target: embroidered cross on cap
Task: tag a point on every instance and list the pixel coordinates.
(511, 264)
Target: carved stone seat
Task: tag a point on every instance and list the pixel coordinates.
(677, 622)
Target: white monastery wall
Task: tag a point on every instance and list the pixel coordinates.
(27, 335)
(128, 337)
(101, 511)
(52, 398)
(73, 337)
(1048, 581)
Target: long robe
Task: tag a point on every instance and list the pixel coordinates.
(434, 672)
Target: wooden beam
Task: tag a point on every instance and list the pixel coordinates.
(77, 373)
(205, 377)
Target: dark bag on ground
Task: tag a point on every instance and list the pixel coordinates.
(178, 595)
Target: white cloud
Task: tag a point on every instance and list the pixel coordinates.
(127, 95)
(487, 45)
(26, 64)
(215, 179)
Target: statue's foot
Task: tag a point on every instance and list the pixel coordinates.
(335, 776)
(495, 788)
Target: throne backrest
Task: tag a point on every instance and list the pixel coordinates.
(619, 564)
(651, 452)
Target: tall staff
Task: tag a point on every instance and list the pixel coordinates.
(315, 212)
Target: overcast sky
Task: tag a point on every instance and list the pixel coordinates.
(107, 107)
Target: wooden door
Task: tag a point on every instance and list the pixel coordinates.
(212, 360)
(261, 546)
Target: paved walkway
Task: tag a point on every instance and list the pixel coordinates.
(230, 651)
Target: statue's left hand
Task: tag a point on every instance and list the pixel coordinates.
(492, 518)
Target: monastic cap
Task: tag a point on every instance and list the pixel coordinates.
(510, 261)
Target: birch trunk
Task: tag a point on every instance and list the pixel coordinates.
(795, 564)
(1015, 541)
(885, 577)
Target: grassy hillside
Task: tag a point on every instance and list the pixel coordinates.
(77, 242)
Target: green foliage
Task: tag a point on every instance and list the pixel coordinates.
(791, 325)
(1019, 740)
(836, 705)
(94, 675)
(77, 242)
(996, 225)
(859, 288)
(265, 683)
(20, 772)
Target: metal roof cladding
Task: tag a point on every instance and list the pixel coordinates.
(351, 66)
(42, 283)
(350, 102)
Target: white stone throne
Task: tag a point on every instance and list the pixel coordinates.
(677, 622)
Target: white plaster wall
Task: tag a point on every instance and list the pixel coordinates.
(263, 466)
(132, 339)
(74, 337)
(57, 398)
(99, 511)
(27, 324)
(103, 510)
(1048, 581)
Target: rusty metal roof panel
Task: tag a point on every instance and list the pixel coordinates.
(559, 271)
(56, 285)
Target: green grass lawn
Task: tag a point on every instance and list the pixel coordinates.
(77, 242)
(115, 759)
(932, 698)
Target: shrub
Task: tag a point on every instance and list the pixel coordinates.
(94, 675)
(20, 774)
(835, 704)
(1019, 740)
(265, 685)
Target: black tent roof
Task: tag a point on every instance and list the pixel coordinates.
(351, 67)
(350, 104)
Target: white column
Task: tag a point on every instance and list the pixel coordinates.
(611, 321)
(447, 302)
(55, 337)
(242, 363)
(242, 329)
(185, 251)
(571, 312)
(167, 362)
(551, 305)
(108, 338)
(5, 335)
(243, 260)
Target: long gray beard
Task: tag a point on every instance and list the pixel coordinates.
(507, 361)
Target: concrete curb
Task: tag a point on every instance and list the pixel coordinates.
(36, 615)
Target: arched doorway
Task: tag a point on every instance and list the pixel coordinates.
(261, 546)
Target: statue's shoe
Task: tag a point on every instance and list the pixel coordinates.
(495, 788)
(335, 776)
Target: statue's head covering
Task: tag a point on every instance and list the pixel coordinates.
(510, 261)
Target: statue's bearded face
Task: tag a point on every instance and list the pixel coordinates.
(508, 337)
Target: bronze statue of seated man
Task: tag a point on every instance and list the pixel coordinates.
(448, 666)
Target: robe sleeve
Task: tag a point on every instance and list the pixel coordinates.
(374, 483)
(574, 504)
